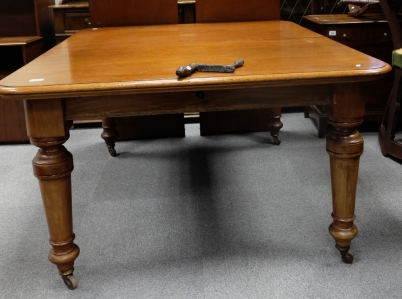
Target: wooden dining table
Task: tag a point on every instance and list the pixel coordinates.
(126, 71)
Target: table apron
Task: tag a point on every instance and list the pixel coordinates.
(196, 101)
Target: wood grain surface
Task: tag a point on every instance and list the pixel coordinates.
(144, 59)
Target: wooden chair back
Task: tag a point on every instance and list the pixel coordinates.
(393, 22)
(236, 10)
(390, 146)
(107, 13)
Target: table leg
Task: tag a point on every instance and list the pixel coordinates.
(110, 134)
(345, 146)
(275, 124)
(52, 166)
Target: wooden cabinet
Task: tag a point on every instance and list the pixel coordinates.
(26, 31)
(73, 16)
(27, 18)
(70, 18)
(370, 35)
(14, 53)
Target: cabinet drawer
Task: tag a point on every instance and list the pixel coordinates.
(76, 20)
(378, 35)
(348, 36)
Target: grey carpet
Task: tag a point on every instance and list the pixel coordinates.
(228, 216)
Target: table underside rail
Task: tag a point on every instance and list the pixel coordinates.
(200, 101)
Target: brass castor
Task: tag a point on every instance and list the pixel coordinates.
(112, 151)
(69, 280)
(346, 254)
(276, 139)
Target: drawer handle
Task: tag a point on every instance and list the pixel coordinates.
(385, 34)
(87, 21)
(344, 35)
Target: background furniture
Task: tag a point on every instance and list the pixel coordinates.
(295, 10)
(223, 122)
(27, 18)
(14, 53)
(386, 137)
(111, 13)
(26, 31)
(72, 16)
(369, 34)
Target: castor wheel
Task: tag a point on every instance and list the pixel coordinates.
(276, 140)
(347, 257)
(346, 254)
(70, 281)
(112, 151)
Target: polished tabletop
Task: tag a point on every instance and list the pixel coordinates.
(145, 58)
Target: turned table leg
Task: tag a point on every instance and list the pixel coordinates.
(52, 166)
(109, 134)
(275, 124)
(345, 146)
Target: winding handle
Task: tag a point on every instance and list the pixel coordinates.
(187, 70)
(238, 63)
